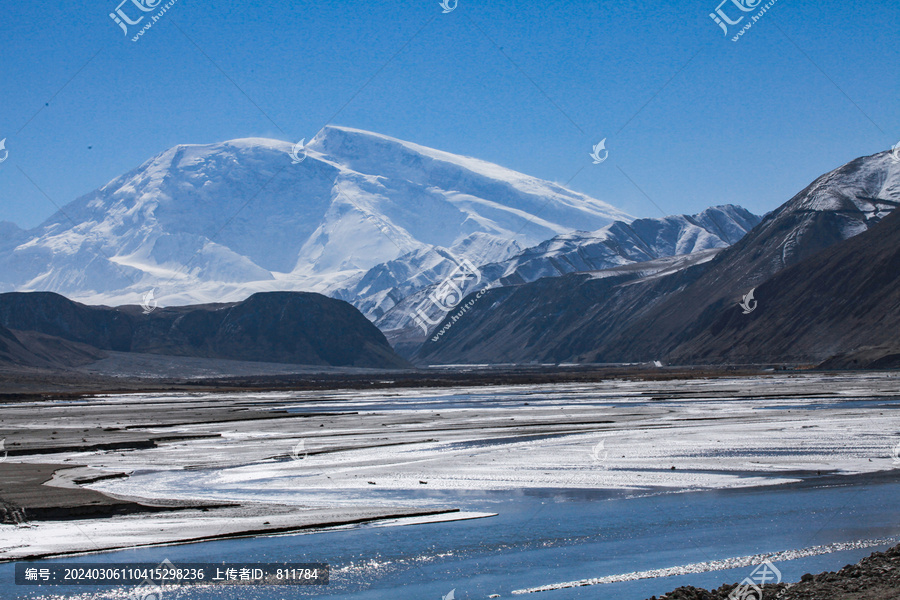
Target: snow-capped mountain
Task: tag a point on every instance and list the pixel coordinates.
(837, 206)
(388, 284)
(619, 243)
(625, 242)
(361, 215)
(823, 267)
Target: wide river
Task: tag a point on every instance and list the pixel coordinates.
(544, 536)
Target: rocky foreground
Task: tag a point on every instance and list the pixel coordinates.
(876, 577)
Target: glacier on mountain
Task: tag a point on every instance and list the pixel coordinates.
(363, 216)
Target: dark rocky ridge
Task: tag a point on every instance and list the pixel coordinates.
(277, 327)
(11, 350)
(617, 245)
(692, 316)
(843, 300)
(552, 320)
(836, 207)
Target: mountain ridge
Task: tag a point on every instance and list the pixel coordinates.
(627, 318)
(273, 327)
(217, 222)
(617, 244)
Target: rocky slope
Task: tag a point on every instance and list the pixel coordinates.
(27, 349)
(682, 316)
(841, 301)
(620, 243)
(275, 327)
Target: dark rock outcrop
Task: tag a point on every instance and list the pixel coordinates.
(876, 577)
(30, 349)
(278, 327)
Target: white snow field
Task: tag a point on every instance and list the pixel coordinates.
(217, 222)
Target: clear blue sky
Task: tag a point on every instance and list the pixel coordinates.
(751, 122)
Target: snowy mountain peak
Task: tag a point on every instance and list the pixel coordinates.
(217, 222)
(376, 154)
(860, 185)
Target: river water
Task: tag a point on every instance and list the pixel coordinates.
(546, 537)
(803, 431)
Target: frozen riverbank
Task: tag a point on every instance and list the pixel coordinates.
(357, 455)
